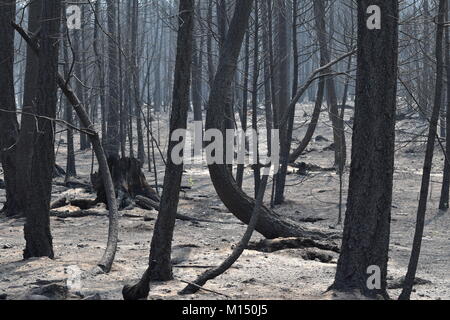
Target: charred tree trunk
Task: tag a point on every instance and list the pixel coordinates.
(112, 142)
(256, 168)
(325, 57)
(367, 220)
(160, 266)
(71, 170)
(136, 82)
(244, 112)
(282, 95)
(270, 224)
(197, 65)
(37, 225)
(9, 127)
(24, 153)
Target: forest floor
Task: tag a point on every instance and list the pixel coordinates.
(283, 274)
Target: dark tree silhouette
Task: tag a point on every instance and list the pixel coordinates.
(367, 221)
(8, 121)
(38, 192)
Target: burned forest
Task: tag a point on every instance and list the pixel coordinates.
(224, 150)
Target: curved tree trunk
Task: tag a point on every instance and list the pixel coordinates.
(270, 224)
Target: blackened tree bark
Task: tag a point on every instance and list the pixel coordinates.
(160, 266)
(136, 81)
(428, 162)
(112, 142)
(367, 221)
(99, 63)
(255, 84)
(8, 120)
(244, 112)
(24, 153)
(197, 65)
(71, 169)
(37, 225)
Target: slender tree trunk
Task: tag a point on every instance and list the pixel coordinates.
(256, 168)
(197, 66)
(282, 94)
(160, 266)
(136, 82)
(367, 221)
(112, 142)
(71, 169)
(209, 47)
(325, 57)
(428, 162)
(100, 74)
(244, 112)
(82, 62)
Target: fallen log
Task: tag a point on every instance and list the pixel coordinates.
(83, 204)
(75, 212)
(272, 245)
(146, 203)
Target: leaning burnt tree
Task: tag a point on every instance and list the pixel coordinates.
(160, 265)
(367, 221)
(270, 224)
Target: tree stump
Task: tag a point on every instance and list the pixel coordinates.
(129, 182)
